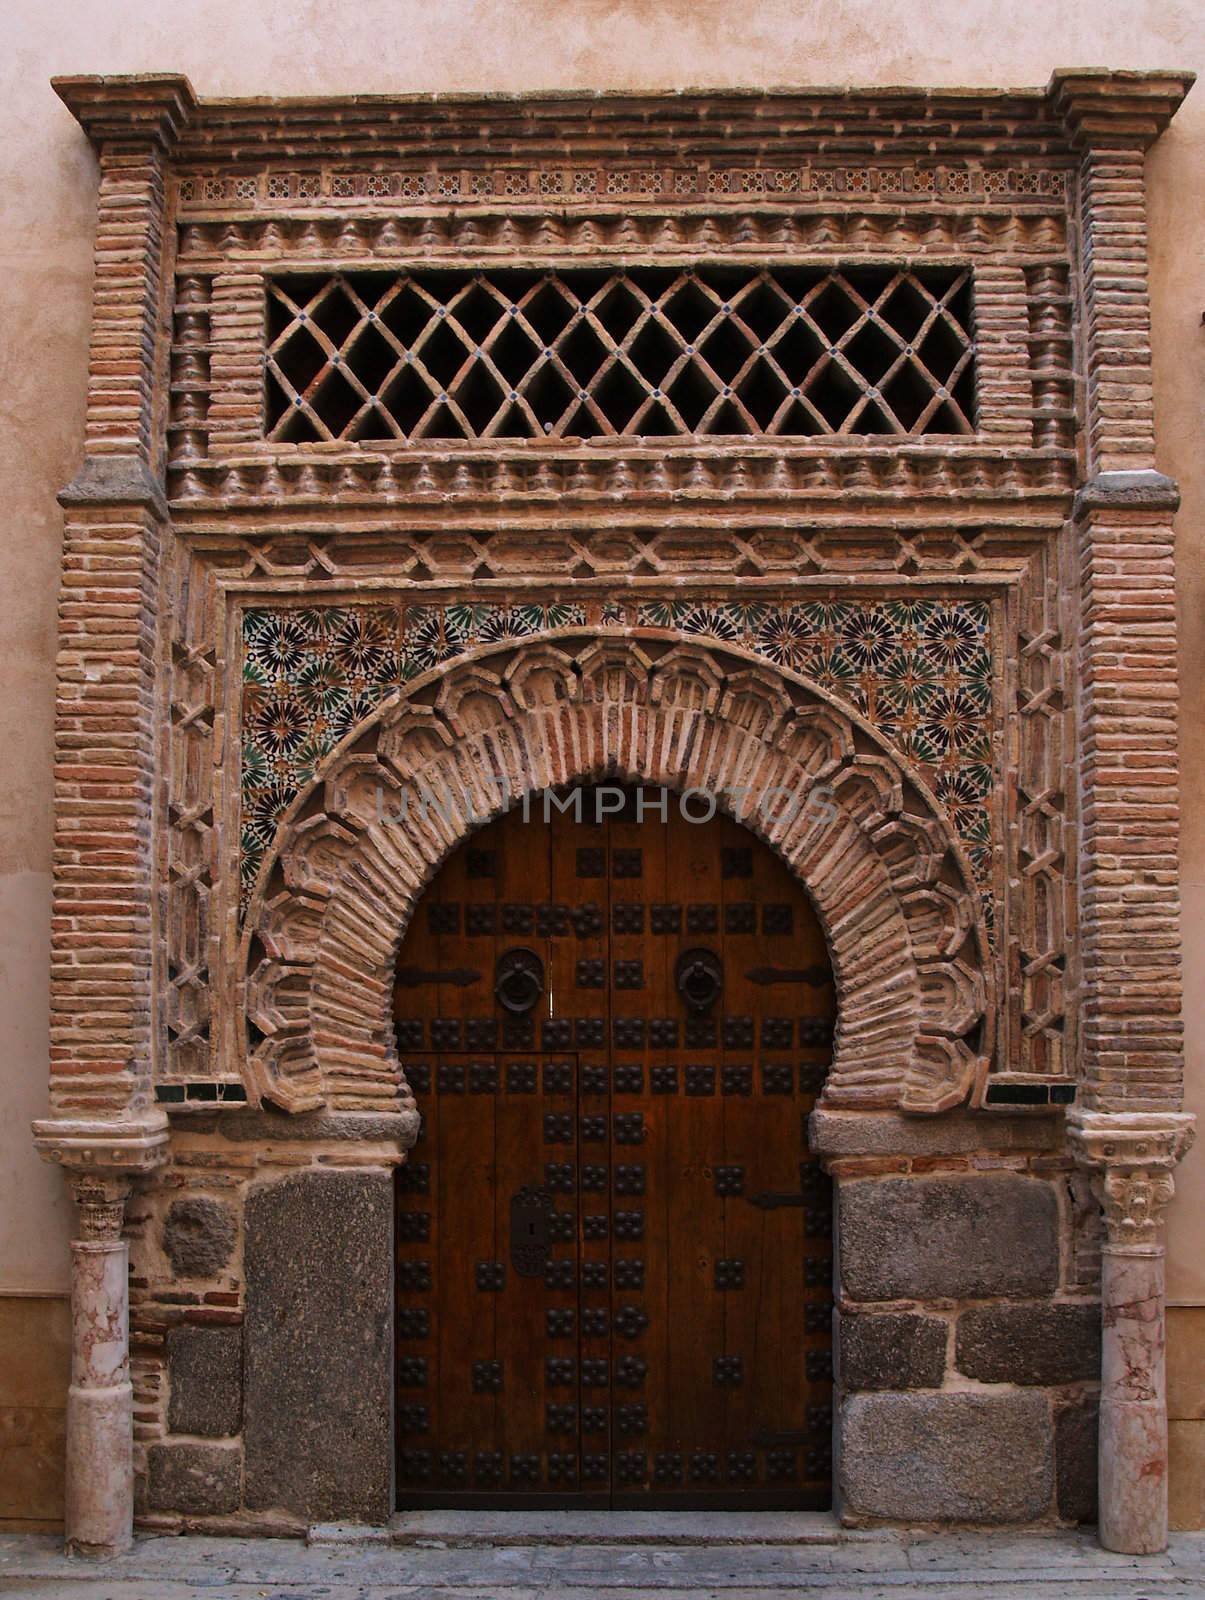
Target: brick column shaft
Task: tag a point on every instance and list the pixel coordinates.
(1128, 1130)
(104, 1129)
(1132, 1055)
(105, 723)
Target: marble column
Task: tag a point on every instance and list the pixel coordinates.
(1130, 1156)
(100, 1404)
(101, 1160)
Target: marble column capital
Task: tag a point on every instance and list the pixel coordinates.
(1130, 1156)
(101, 1203)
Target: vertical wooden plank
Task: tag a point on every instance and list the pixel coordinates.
(475, 1254)
(468, 1317)
(641, 998)
(418, 1368)
(579, 1009)
(750, 1302)
(764, 1316)
(417, 1322)
(467, 1322)
(524, 1163)
(694, 1148)
(580, 872)
(817, 1015)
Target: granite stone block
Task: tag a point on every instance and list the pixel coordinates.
(193, 1479)
(199, 1236)
(891, 1350)
(318, 1345)
(947, 1457)
(955, 1238)
(1042, 1343)
(205, 1376)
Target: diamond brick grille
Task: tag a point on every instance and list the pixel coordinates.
(646, 352)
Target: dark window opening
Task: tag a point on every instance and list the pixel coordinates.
(664, 352)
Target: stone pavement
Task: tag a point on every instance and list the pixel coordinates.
(563, 1556)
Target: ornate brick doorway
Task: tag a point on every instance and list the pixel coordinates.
(818, 455)
(614, 1262)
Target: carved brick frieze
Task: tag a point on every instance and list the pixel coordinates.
(632, 183)
(897, 895)
(919, 671)
(232, 595)
(757, 228)
(628, 485)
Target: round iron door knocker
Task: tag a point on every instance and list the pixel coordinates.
(519, 980)
(699, 978)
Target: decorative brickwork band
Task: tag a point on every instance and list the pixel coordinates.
(134, 126)
(1131, 1032)
(1129, 885)
(891, 884)
(102, 958)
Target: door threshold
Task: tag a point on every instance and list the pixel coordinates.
(466, 1529)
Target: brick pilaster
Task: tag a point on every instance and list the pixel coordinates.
(1123, 541)
(105, 727)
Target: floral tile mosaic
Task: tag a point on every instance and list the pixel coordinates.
(920, 671)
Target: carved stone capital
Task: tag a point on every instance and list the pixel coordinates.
(1127, 491)
(102, 1205)
(1131, 1156)
(118, 480)
(102, 1149)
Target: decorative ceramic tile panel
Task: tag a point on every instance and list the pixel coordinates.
(310, 675)
(919, 671)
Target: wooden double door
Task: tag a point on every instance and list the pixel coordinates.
(613, 1248)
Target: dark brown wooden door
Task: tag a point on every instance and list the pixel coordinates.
(613, 1250)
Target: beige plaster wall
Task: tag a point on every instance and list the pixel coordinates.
(252, 47)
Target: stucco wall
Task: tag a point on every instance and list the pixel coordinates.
(314, 46)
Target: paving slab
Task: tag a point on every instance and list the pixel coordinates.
(608, 1559)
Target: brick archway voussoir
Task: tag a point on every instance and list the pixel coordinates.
(914, 992)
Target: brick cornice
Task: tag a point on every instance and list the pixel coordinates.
(1102, 109)
(745, 125)
(685, 125)
(1095, 106)
(138, 108)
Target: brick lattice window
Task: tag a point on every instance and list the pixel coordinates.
(646, 352)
